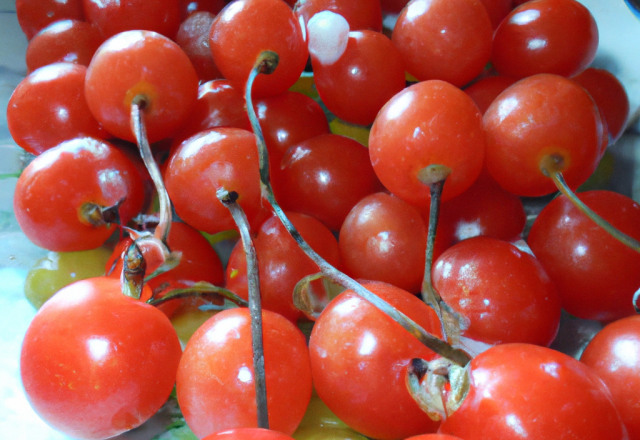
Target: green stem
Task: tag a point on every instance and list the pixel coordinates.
(229, 199)
(201, 289)
(266, 63)
(558, 179)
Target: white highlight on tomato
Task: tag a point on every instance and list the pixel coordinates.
(328, 36)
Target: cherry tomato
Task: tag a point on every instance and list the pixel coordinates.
(247, 434)
(524, 391)
(96, 363)
(613, 353)
(215, 382)
(359, 359)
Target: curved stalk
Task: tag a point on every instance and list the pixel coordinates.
(134, 268)
(636, 298)
(200, 289)
(558, 179)
(266, 63)
(140, 132)
(229, 199)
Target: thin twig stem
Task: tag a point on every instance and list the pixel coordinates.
(140, 133)
(432, 342)
(228, 199)
(623, 238)
(200, 289)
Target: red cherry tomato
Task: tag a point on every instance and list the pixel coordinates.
(596, 275)
(49, 107)
(85, 171)
(524, 391)
(248, 434)
(486, 90)
(363, 79)
(536, 118)
(360, 14)
(217, 158)
(35, 15)
(113, 17)
(95, 363)
(545, 36)
(449, 40)
(429, 123)
(359, 359)
(69, 41)
(613, 353)
(478, 277)
(215, 382)
(146, 64)
(193, 38)
(611, 97)
(246, 28)
(281, 262)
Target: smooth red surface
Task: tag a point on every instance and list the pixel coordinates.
(286, 120)
(359, 359)
(537, 117)
(611, 97)
(384, 239)
(114, 16)
(325, 177)
(52, 189)
(485, 209)
(70, 41)
(429, 123)
(215, 383)
(525, 391)
(141, 63)
(363, 79)
(193, 38)
(49, 107)
(95, 363)
(246, 28)
(503, 293)
(281, 262)
(497, 10)
(449, 40)
(393, 6)
(596, 275)
(434, 437)
(486, 90)
(545, 36)
(613, 354)
(35, 15)
(360, 14)
(217, 158)
(219, 104)
(248, 434)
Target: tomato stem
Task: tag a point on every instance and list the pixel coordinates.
(140, 132)
(562, 186)
(636, 298)
(200, 289)
(435, 344)
(132, 277)
(229, 199)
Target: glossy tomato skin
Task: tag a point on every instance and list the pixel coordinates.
(545, 36)
(85, 170)
(428, 123)
(141, 63)
(248, 434)
(246, 28)
(596, 275)
(537, 117)
(95, 363)
(359, 359)
(215, 382)
(525, 391)
(613, 354)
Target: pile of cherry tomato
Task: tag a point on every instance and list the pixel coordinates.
(495, 98)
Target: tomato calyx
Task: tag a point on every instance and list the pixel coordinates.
(439, 387)
(98, 215)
